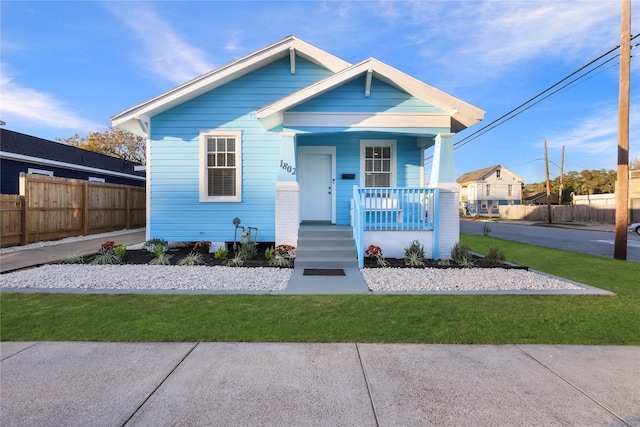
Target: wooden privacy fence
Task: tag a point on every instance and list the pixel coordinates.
(565, 213)
(50, 208)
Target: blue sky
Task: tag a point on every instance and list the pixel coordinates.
(66, 67)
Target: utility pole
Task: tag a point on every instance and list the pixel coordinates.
(622, 183)
(561, 177)
(546, 164)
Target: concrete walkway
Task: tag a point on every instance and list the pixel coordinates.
(61, 251)
(289, 384)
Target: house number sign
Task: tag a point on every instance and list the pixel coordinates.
(287, 167)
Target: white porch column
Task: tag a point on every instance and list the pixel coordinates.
(443, 177)
(287, 193)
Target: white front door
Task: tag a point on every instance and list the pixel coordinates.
(316, 166)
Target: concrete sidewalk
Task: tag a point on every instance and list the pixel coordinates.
(61, 251)
(288, 384)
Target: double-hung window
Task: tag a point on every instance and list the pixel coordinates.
(378, 163)
(220, 166)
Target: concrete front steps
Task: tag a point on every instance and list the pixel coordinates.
(325, 246)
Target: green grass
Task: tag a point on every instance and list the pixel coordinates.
(478, 319)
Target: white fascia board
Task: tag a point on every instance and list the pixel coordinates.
(223, 75)
(457, 108)
(355, 120)
(47, 162)
(463, 112)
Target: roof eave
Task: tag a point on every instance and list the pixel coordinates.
(128, 119)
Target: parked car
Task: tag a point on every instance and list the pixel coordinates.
(635, 227)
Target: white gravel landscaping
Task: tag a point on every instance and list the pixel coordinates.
(219, 278)
(148, 277)
(462, 279)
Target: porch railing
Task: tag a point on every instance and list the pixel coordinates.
(392, 209)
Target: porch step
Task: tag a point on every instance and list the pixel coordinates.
(325, 247)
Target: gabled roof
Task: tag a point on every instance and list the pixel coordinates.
(135, 119)
(477, 175)
(463, 114)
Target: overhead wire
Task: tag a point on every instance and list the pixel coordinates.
(521, 108)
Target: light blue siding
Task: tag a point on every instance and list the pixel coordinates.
(409, 162)
(350, 98)
(176, 213)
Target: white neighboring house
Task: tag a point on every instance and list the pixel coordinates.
(483, 190)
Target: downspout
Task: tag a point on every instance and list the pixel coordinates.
(145, 125)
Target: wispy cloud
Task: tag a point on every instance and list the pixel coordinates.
(596, 135)
(164, 52)
(23, 104)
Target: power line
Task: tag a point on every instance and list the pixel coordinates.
(520, 108)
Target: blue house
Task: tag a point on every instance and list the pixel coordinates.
(291, 134)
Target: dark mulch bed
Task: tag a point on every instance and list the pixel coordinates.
(143, 256)
(479, 262)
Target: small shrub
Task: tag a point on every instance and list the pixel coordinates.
(236, 261)
(461, 255)
(162, 258)
(221, 253)
(375, 252)
(158, 250)
(109, 244)
(414, 254)
(248, 251)
(495, 257)
(202, 247)
(74, 258)
(268, 253)
(156, 241)
(194, 258)
(278, 260)
(414, 260)
(106, 257)
(286, 251)
(120, 250)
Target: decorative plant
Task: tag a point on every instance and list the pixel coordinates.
(414, 254)
(248, 251)
(74, 258)
(162, 258)
(109, 244)
(461, 255)
(375, 252)
(268, 253)
(236, 261)
(156, 241)
(278, 260)
(120, 250)
(286, 251)
(221, 253)
(105, 257)
(194, 258)
(202, 247)
(495, 257)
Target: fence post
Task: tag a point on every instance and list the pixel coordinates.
(24, 192)
(85, 208)
(127, 209)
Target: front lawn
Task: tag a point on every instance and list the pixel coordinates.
(478, 319)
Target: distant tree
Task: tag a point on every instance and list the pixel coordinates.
(112, 142)
(579, 183)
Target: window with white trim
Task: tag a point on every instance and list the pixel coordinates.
(488, 188)
(96, 179)
(220, 166)
(378, 163)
